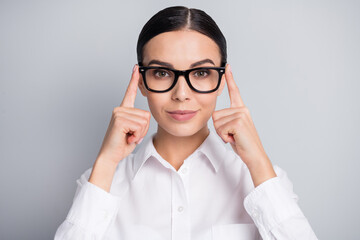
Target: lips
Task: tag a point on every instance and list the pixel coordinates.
(181, 112)
(182, 115)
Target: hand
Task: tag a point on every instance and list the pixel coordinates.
(235, 125)
(127, 127)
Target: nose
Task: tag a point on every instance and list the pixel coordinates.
(181, 91)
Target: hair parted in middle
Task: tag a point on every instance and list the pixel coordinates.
(181, 18)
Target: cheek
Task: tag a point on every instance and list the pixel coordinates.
(156, 103)
(208, 103)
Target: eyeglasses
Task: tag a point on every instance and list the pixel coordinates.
(201, 79)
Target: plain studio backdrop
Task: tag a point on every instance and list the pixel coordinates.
(64, 66)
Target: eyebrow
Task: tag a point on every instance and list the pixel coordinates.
(169, 65)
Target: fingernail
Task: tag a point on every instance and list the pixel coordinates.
(140, 140)
(230, 68)
(134, 68)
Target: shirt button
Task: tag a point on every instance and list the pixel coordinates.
(105, 215)
(255, 213)
(184, 170)
(180, 209)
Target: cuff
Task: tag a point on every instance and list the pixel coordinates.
(93, 209)
(270, 203)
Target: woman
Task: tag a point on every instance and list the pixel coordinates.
(182, 183)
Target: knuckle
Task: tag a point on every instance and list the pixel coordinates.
(242, 114)
(115, 110)
(144, 122)
(239, 114)
(118, 115)
(147, 114)
(239, 122)
(246, 110)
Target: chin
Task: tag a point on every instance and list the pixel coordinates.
(181, 132)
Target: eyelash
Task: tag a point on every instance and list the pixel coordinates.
(204, 71)
(160, 71)
(156, 72)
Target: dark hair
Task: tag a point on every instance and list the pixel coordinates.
(177, 18)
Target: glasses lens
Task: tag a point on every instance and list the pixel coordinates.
(159, 79)
(204, 79)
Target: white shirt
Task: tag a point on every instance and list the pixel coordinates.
(211, 197)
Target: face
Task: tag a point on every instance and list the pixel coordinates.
(181, 50)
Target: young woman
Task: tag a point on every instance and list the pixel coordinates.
(183, 183)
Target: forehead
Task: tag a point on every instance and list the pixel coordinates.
(181, 48)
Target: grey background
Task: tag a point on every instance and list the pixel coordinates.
(64, 66)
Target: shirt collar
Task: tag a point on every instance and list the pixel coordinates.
(212, 148)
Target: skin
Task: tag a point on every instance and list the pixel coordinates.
(175, 140)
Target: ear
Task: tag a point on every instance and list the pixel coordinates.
(222, 85)
(141, 86)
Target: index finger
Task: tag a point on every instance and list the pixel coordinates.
(130, 94)
(234, 93)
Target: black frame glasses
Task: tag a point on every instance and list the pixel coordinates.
(177, 73)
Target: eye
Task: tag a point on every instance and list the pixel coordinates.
(201, 73)
(161, 73)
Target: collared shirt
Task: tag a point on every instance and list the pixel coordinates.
(210, 197)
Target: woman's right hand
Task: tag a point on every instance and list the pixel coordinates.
(127, 128)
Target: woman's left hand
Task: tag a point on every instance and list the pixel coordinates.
(235, 125)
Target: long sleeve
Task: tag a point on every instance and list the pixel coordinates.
(91, 212)
(274, 209)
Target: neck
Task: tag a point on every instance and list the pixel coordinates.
(175, 149)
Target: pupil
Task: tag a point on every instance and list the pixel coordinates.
(162, 73)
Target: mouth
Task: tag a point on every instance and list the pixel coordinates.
(182, 115)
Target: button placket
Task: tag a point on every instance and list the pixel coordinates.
(180, 217)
